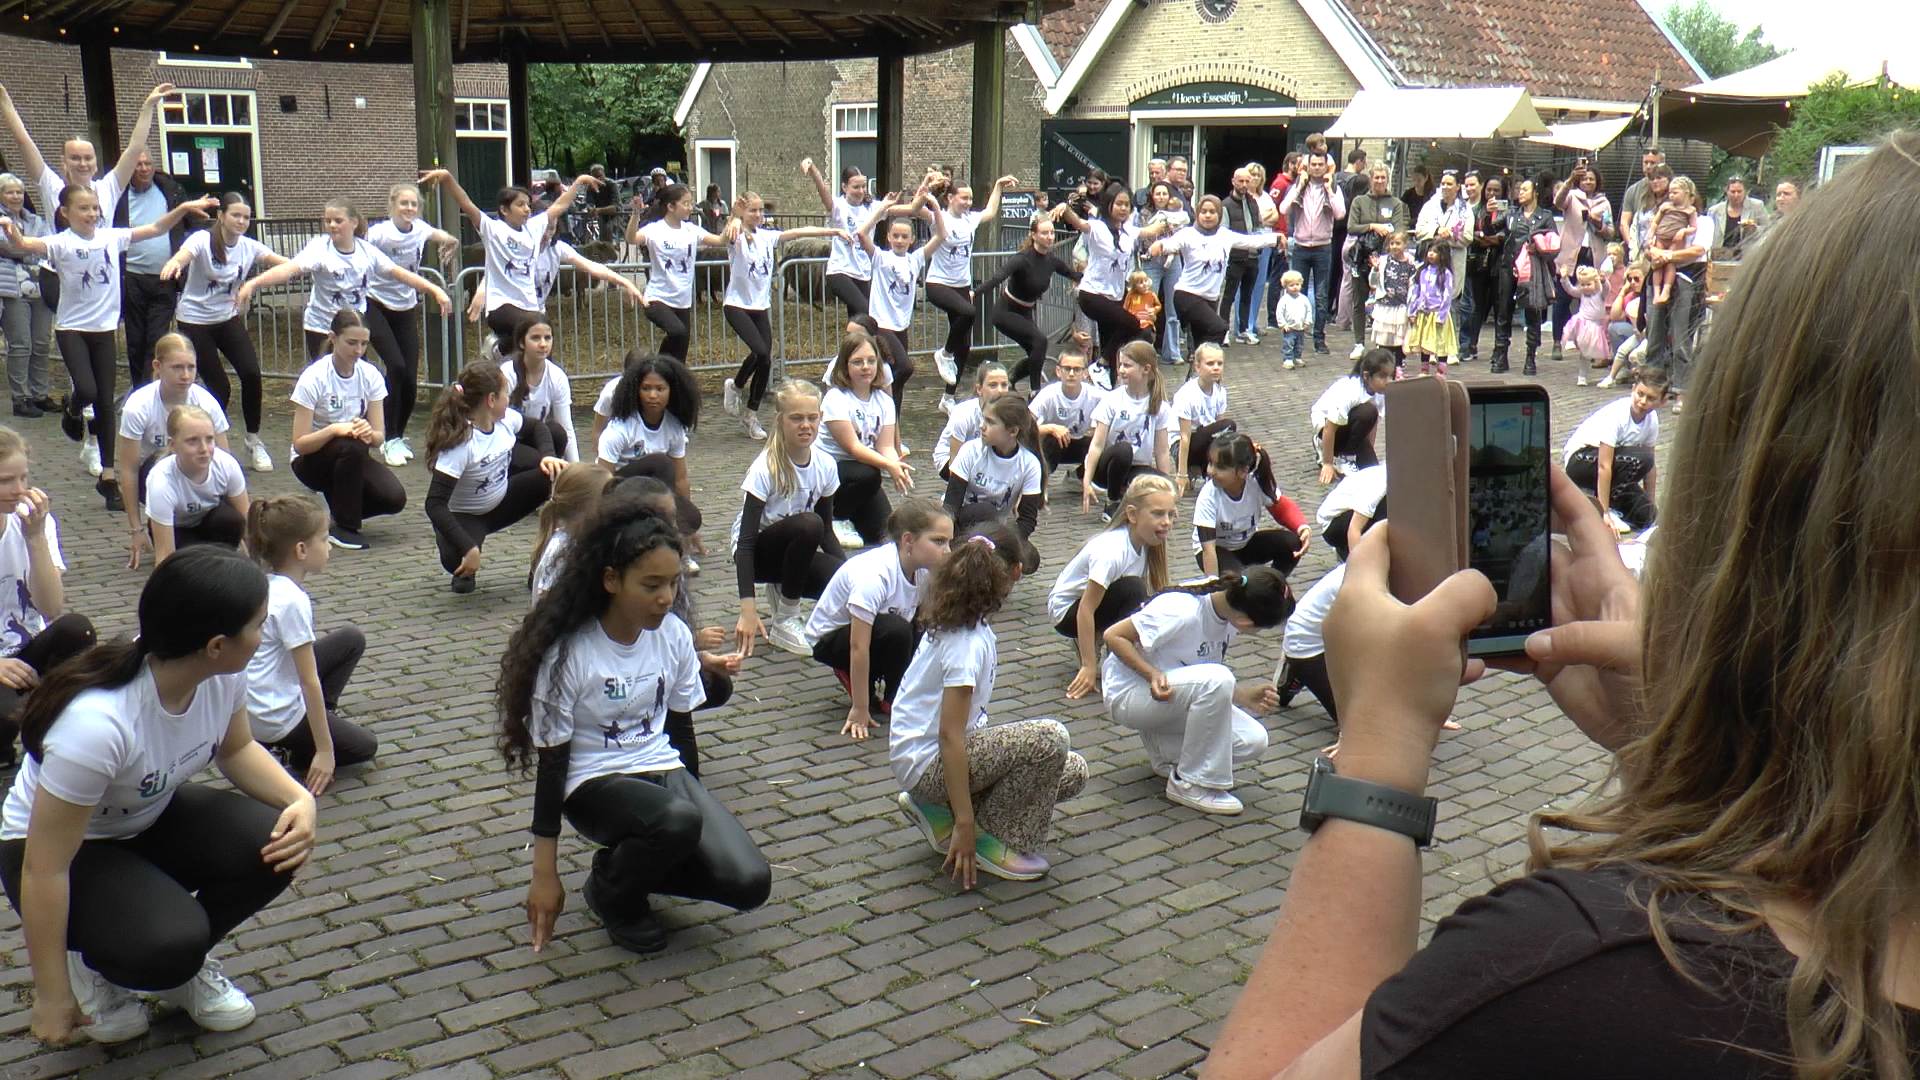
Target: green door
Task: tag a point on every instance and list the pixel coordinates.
(483, 171)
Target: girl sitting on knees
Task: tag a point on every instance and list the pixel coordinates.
(1226, 516)
(983, 796)
(483, 479)
(294, 679)
(1347, 414)
(863, 439)
(963, 421)
(997, 473)
(1351, 508)
(655, 406)
(197, 494)
(35, 637)
(121, 843)
(784, 534)
(588, 687)
(1113, 574)
(1611, 457)
(538, 390)
(1166, 677)
(862, 627)
(144, 416)
(1130, 428)
(1200, 407)
(576, 493)
(337, 424)
(1064, 411)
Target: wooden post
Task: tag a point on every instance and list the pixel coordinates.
(434, 148)
(891, 83)
(519, 119)
(989, 106)
(103, 107)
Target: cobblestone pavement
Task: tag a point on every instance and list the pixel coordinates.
(402, 949)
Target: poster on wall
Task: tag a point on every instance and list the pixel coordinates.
(182, 163)
(1070, 148)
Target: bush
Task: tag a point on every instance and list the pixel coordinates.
(1835, 114)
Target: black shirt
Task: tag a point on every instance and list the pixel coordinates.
(1557, 974)
(1027, 274)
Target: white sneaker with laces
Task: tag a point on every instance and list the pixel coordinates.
(1288, 364)
(1358, 351)
(946, 404)
(257, 457)
(848, 536)
(90, 456)
(730, 397)
(1204, 799)
(406, 451)
(213, 1002)
(1101, 377)
(789, 633)
(943, 361)
(1605, 384)
(118, 1014)
(754, 430)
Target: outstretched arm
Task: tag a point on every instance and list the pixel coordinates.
(137, 142)
(168, 220)
(451, 186)
(32, 245)
(992, 208)
(819, 183)
(18, 129)
(600, 272)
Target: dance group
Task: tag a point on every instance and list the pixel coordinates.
(126, 875)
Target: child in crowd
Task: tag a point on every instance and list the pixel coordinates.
(654, 408)
(1226, 515)
(1351, 508)
(990, 382)
(197, 494)
(1166, 677)
(863, 440)
(1672, 230)
(294, 679)
(35, 637)
(784, 535)
(1348, 412)
(576, 492)
(1611, 454)
(863, 626)
(1294, 312)
(1430, 333)
(1063, 409)
(483, 479)
(1626, 320)
(537, 389)
(1131, 428)
(143, 420)
(1392, 283)
(1586, 332)
(1200, 407)
(337, 424)
(1113, 574)
(982, 795)
(1141, 303)
(998, 473)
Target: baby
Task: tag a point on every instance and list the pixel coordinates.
(1140, 301)
(1673, 228)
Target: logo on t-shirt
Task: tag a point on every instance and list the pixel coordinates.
(622, 688)
(154, 783)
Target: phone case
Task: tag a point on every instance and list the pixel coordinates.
(1428, 455)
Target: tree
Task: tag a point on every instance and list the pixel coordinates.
(602, 112)
(1715, 40)
(1835, 114)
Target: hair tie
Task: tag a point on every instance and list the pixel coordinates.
(458, 389)
(1243, 581)
(987, 540)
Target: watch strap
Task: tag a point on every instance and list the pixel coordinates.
(1378, 805)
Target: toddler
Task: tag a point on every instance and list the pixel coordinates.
(1586, 332)
(1673, 228)
(1294, 313)
(1140, 301)
(1393, 277)
(1430, 306)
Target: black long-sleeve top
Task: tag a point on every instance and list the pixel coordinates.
(1026, 512)
(750, 511)
(1027, 273)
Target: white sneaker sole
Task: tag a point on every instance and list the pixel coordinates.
(919, 821)
(1227, 810)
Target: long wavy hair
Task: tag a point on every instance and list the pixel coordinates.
(1779, 754)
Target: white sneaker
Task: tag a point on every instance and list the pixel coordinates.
(213, 1002)
(1101, 377)
(1250, 338)
(946, 404)
(1345, 465)
(691, 565)
(1618, 523)
(949, 371)
(790, 634)
(258, 458)
(848, 536)
(401, 448)
(754, 431)
(1161, 768)
(118, 1014)
(1204, 799)
(1605, 384)
(1580, 380)
(90, 456)
(732, 397)
(1287, 364)
(1358, 351)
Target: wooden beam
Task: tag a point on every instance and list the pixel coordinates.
(559, 24)
(466, 9)
(819, 27)
(233, 15)
(279, 21)
(936, 9)
(328, 21)
(774, 29)
(179, 12)
(640, 22)
(599, 24)
(729, 24)
(373, 28)
(679, 19)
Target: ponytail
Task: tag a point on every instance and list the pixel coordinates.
(1374, 363)
(452, 420)
(1261, 593)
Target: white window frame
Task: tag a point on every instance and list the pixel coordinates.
(190, 60)
(844, 109)
(504, 134)
(700, 177)
(251, 128)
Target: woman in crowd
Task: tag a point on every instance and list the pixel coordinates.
(1164, 208)
(510, 242)
(336, 428)
(35, 635)
(950, 275)
(1533, 291)
(849, 275)
(1483, 264)
(483, 479)
(672, 242)
(752, 249)
(1447, 217)
(1023, 280)
(784, 536)
(1586, 227)
(26, 319)
(393, 309)
(1652, 194)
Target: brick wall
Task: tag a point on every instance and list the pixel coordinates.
(1261, 35)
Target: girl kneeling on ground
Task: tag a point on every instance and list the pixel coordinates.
(35, 637)
(197, 494)
(484, 479)
(1113, 574)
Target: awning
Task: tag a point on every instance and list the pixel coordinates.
(1477, 112)
(1591, 135)
(1742, 113)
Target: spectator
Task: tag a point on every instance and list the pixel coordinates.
(1164, 272)
(1736, 219)
(1253, 300)
(1277, 258)
(713, 210)
(1312, 205)
(1421, 188)
(1586, 225)
(1654, 158)
(1733, 920)
(657, 182)
(1447, 217)
(1463, 305)
(602, 204)
(1182, 183)
(1240, 213)
(1353, 182)
(1786, 195)
(1483, 264)
(1372, 217)
(1156, 172)
(146, 302)
(1651, 195)
(1534, 296)
(1670, 325)
(25, 318)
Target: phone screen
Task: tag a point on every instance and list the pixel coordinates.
(1508, 513)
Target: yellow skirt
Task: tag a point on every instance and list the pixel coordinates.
(1430, 332)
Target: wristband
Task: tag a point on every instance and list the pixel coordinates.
(1383, 807)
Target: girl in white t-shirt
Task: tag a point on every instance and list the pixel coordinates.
(1205, 248)
(538, 390)
(1112, 241)
(1130, 428)
(1113, 574)
(1166, 677)
(1200, 408)
(393, 309)
(510, 242)
(1346, 414)
(295, 678)
(484, 479)
(998, 474)
(1303, 658)
(951, 273)
(196, 494)
(1611, 454)
(1351, 508)
(35, 637)
(863, 437)
(863, 625)
(654, 407)
(672, 243)
(1239, 491)
(990, 383)
(112, 738)
(337, 425)
(849, 274)
(144, 415)
(753, 250)
(784, 536)
(589, 686)
(896, 274)
(983, 796)
(576, 494)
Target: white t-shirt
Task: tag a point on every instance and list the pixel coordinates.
(1128, 420)
(894, 277)
(1613, 425)
(670, 255)
(998, 481)
(1103, 560)
(1233, 521)
(1176, 630)
(944, 658)
(610, 701)
(847, 256)
(479, 466)
(405, 249)
(750, 269)
(1052, 406)
(963, 423)
(868, 418)
(603, 401)
(869, 585)
(626, 438)
(815, 480)
(1360, 492)
(19, 619)
(510, 261)
(106, 188)
(177, 500)
(546, 270)
(1108, 261)
(206, 296)
(547, 570)
(89, 277)
(334, 399)
(341, 279)
(1339, 400)
(1303, 640)
(120, 751)
(1203, 257)
(143, 418)
(953, 263)
(551, 400)
(275, 703)
(1198, 407)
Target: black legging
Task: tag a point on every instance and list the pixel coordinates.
(1508, 297)
(1124, 597)
(1354, 438)
(852, 291)
(1116, 469)
(335, 655)
(660, 467)
(231, 340)
(676, 328)
(755, 331)
(1201, 318)
(223, 525)
(1052, 453)
(1631, 464)
(788, 553)
(317, 342)
(527, 489)
(1268, 547)
(1017, 324)
(1311, 675)
(503, 321)
(355, 484)
(1116, 324)
(862, 499)
(1200, 443)
(145, 911)
(396, 337)
(893, 343)
(666, 835)
(93, 361)
(958, 304)
(889, 651)
(67, 636)
(526, 437)
(1482, 289)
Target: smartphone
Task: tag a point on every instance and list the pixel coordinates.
(1509, 513)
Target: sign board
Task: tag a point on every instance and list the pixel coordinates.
(1016, 208)
(1069, 148)
(209, 142)
(1215, 95)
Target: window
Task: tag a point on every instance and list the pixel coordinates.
(209, 109)
(480, 117)
(713, 164)
(856, 140)
(195, 59)
(210, 145)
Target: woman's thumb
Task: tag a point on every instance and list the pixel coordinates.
(1613, 645)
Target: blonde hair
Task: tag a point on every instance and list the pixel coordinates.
(180, 414)
(1210, 349)
(786, 476)
(576, 491)
(172, 343)
(399, 189)
(278, 522)
(1292, 277)
(11, 443)
(1143, 488)
(1137, 279)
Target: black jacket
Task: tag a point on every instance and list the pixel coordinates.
(173, 191)
(1241, 215)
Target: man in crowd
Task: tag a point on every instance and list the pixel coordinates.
(1653, 158)
(603, 204)
(1240, 213)
(1182, 183)
(146, 302)
(1311, 208)
(1156, 172)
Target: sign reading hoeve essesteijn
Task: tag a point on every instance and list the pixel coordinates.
(1214, 95)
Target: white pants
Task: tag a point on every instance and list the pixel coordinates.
(1199, 729)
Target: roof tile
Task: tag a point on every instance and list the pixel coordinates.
(1064, 30)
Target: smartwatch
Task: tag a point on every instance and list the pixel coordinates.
(1383, 807)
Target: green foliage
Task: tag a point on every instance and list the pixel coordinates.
(1835, 114)
(601, 112)
(1715, 40)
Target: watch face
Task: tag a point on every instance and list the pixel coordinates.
(1217, 10)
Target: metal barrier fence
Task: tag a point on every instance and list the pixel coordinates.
(274, 320)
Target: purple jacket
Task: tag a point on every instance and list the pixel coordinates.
(1432, 291)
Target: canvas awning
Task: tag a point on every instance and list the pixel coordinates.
(1590, 135)
(1742, 113)
(1475, 112)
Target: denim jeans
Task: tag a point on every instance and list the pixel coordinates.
(1291, 342)
(1276, 269)
(1251, 299)
(1316, 265)
(1164, 279)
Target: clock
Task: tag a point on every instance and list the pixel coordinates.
(1216, 11)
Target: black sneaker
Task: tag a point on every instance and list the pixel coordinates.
(26, 410)
(1288, 686)
(72, 424)
(640, 934)
(46, 404)
(463, 585)
(342, 537)
(110, 491)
